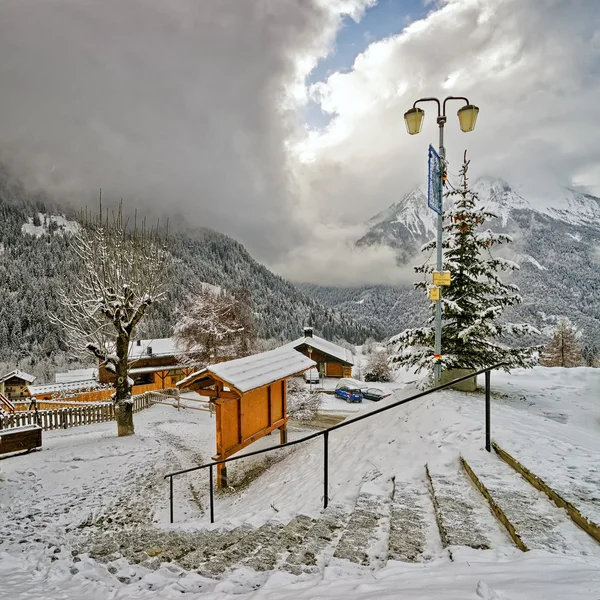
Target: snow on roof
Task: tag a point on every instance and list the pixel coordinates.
(76, 375)
(143, 370)
(258, 370)
(324, 346)
(20, 374)
(50, 388)
(146, 348)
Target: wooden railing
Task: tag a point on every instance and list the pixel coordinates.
(6, 404)
(70, 416)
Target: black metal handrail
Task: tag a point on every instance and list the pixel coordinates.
(325, 433)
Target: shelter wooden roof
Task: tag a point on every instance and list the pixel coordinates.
(251, 372)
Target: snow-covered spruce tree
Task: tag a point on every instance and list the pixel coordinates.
(122, 273)
(563, 350)
(475, 299)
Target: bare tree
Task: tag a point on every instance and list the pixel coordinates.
(212, 325)
(378, 366)
(563, 350)
(122, 274)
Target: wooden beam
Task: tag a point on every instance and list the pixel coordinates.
(227, 452)
(216, 394)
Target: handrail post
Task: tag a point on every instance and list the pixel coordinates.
(326, 469)
(488, 435)
(171, 496)
(211, 492)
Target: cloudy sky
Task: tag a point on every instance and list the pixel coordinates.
(280, 122)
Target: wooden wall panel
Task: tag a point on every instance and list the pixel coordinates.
(255, 412)
(334, 369)
(230, 431)
(277, 401)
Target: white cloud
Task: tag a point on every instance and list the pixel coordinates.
(330, 257)
(532, 67)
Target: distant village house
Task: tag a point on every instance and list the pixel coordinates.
(14, 385)
(332, 360)
(153, 363)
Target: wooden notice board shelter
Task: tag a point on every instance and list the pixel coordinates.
(250, 397)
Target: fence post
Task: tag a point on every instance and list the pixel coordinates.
(171, 497)
(212, 494)
(488, 435)
(326, 469)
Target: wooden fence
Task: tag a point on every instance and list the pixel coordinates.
(71, 416)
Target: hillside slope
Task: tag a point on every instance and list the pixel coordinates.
(36, 259)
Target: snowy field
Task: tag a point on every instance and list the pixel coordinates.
(87, 488)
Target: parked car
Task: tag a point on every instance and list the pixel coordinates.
(347, 393)
(311, 376)
(374, 394)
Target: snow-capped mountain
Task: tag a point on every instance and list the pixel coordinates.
(410, 221)
(556, 242)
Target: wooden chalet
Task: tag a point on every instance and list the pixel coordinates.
(48, 391)
(154, 364)
(332, 360)
(250, 397)
(14, 385)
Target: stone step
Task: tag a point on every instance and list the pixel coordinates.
(410, 522)
(573, 483)
(532, 521)
(463, 515)
(318, 546)
(243, 546)
(273, 550)
(364, 540)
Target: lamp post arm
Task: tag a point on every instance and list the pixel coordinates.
(430, 99)
(453, 98)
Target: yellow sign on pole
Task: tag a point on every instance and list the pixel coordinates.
(434, 293)
(441, 278)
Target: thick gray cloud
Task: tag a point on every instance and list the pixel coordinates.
(193, 108)
(174, 105)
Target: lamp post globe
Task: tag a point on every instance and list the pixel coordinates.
(414, 120)
(467, 117)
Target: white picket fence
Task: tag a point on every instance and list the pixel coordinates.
(72, 416)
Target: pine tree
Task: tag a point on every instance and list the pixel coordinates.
(475, 298)
(563, 350)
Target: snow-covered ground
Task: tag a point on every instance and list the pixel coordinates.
(86, 483)
(59, 222)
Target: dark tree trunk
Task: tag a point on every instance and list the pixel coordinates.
(123, 404)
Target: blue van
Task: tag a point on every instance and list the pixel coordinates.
(347, 393)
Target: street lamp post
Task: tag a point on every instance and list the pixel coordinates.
(467, 116)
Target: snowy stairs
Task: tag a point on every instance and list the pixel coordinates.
(361, 541)
(463, 518)
(532, 521)
(449, 506)
(411, 513)
(318, 546)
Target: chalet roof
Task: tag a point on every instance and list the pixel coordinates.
(72, 386)
(325, 346)
(138, 349)
(154, 369)
(252, 372)
(76, 375)
(19, 374)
